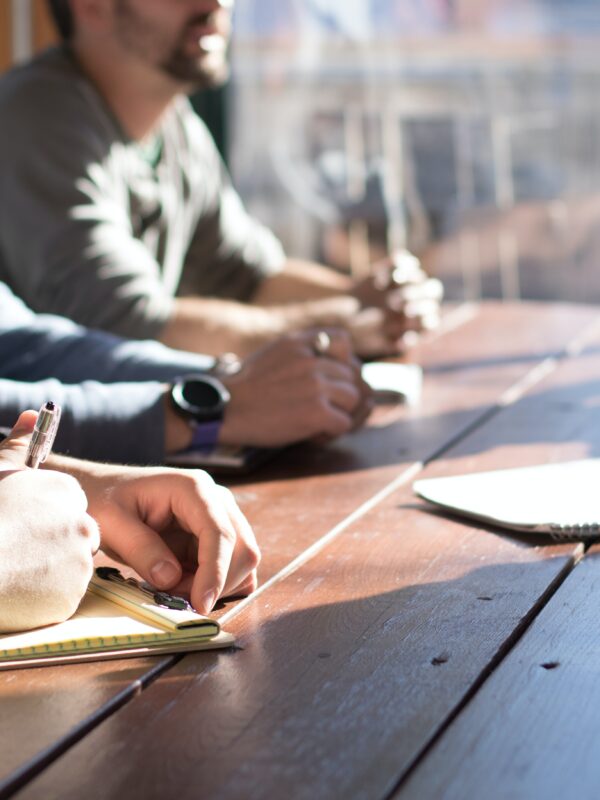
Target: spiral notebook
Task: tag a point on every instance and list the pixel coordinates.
(117, 618)
(560, 500)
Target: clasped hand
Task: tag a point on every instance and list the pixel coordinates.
(398, 300)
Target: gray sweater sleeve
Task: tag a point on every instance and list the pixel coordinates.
(110, 389)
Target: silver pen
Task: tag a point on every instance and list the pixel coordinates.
(43, 435)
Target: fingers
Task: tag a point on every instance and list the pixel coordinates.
(216, 542)
(429, 290)
(343, 396)
(144, 550)
(339, 344)
(364, 407)
(345, 399)
(408, 299)
(143, 522)
(247, 587)
(242, 577)
(91, 531)
(370, 335)
(304, 385)
(227, 550)
(13, 450)
(417, 316)
(414, 307)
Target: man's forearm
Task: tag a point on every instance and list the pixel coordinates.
(283, 303)
(212, 326)
(218, 326)
(300, 281)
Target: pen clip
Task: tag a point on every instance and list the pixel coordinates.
(51, 433)
(162, 599)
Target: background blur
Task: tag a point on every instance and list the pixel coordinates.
(467, 130)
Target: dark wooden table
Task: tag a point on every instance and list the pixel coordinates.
(390, 652)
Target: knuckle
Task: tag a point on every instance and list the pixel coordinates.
(61, 480)
(227, 495)
(201, 482)
(338, 424)
(77, 495)
(323, 410)
(89, 530)
(80, 567)
(315, 384)
(253, 556)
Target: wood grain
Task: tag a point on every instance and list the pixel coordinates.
(348, 669)
(45, 709)
(353, 663)
(532, 730)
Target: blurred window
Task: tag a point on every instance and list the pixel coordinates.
(467, 130)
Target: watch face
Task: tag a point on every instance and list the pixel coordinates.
(199, 393)
(203, 398)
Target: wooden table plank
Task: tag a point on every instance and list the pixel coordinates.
(467, 369)
(466, 372)
(339, 686)
(353, 663)
(45, 709)
(533, 729)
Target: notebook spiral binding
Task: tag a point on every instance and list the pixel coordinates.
(562, 533)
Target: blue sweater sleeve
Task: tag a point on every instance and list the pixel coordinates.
(109, 388)
(121, 422)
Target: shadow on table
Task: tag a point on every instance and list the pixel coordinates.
(336, 698)
(539, 540)
(465, 365)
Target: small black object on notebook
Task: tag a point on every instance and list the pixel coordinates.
(163, 599)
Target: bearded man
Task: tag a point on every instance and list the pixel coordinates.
(118, 213)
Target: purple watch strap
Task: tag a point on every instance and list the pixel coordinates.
(206, 435)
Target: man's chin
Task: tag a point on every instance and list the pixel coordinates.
(208, 72)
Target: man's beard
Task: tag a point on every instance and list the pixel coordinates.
(206, 70)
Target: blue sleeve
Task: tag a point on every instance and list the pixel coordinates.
(109, 388)
(48, 346)
(120, 422)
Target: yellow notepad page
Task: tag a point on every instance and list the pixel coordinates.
(99, 626)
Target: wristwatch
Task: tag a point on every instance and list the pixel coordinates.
(201, 400)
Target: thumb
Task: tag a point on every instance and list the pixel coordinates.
(13, 449)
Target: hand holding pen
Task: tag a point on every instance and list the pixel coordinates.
(48, 539)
